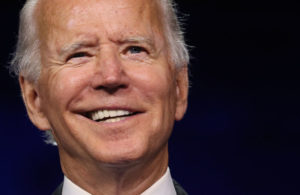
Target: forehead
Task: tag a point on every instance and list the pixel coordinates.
(110, 14)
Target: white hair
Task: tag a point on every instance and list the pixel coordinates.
(173, 33)
(27, 60)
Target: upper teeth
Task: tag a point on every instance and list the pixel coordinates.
(101, 114)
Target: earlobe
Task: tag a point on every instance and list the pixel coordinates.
(182, 85)
(32, 102)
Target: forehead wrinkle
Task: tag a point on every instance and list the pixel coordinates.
(56, 16)
(62, 12)
(150, 11)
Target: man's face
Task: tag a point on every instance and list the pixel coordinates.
(107, 89)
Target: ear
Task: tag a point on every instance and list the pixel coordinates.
(32, 102)
(182, 87)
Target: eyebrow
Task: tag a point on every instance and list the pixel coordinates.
(139, 39)
(76, 46)
(83, 44)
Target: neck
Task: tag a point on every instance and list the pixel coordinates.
(131, 178)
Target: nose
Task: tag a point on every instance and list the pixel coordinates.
(109, 73)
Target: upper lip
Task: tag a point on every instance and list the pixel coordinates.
(110, 112)
(106, 114)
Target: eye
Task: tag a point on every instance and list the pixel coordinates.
(78, 55)
(136, 49)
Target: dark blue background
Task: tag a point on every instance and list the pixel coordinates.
(241, 132)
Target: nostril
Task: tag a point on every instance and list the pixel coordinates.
(111, 89)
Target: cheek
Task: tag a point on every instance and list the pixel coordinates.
(63, 85)
(152, 83)
(158, 90)
(156, 86)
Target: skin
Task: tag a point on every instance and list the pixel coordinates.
(108, 54)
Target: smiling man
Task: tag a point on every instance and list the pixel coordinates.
(106, 79)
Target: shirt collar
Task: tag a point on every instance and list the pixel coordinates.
(162, 186)
(70, 188)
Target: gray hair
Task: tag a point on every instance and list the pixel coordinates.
(27, 60)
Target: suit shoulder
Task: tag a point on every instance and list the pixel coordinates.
(179, 189)
(58, 190)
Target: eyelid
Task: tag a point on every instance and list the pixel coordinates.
(143, 49)
(144, 46)
(78, 54)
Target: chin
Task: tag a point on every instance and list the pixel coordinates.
(122, 155)
(119, 161)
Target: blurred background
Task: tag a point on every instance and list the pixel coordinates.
(241, 132)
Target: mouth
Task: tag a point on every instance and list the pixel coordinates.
(109, 116)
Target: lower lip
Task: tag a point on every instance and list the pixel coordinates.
(113, 120)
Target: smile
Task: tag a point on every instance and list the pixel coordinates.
(110, 116)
